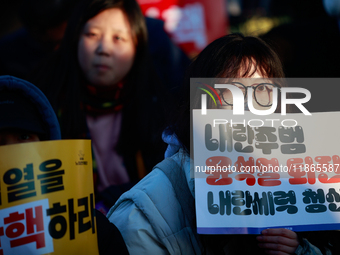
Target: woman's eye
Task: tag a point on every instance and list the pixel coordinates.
(261, 88)
(90, 34)
(118, 38)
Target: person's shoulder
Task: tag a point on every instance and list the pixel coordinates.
(151, 185)
(154, 190)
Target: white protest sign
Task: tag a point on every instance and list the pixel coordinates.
(266, 171)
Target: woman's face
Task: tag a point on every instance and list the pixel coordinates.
(106, 48)
(263, 92)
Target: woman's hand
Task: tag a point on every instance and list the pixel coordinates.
(278, 241)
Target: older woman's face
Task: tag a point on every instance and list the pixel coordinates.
(106, 48)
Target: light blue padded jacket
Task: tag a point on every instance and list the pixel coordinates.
(148, 216)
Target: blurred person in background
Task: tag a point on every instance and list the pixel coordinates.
(102, 84)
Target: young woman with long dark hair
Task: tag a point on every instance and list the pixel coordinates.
(102, 85)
